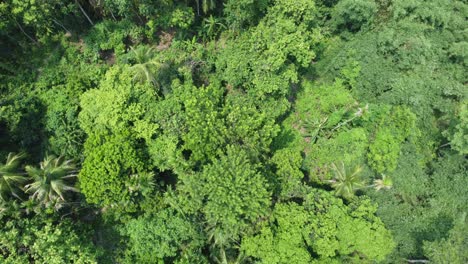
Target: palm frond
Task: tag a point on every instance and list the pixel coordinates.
(346, 184)
(10, 179)
(49, 184)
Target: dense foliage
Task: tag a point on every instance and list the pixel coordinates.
(235, 131)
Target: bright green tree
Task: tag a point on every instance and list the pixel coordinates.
(118, 104)
(394, 128)
(44, 241)
(105, 178)
(265, 60)
(231, 192)
(323, 229)
(288, 163)
(282, 242)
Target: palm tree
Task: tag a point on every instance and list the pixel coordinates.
(9, 209)
(221, 247)
(10, 178)
(346, 184)
(207, 5)
(50, 181)
(144, 67)
(141, 183)
(211, 26)
(218, 240)
(384, 183)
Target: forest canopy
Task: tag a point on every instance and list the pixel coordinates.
(233, 131)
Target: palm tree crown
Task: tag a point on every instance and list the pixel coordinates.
(384, 183)
(144, 67)
(10, 178)
(50, 181)
(346, 184)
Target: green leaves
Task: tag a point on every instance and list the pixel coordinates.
(240, 13)
(452, 248)
(162, 236)
(231, 193)
(23, 240)
(458, 132)
(384, 151)
(206, 130)
(257, 143)
(215, 121)
(385, 148)
(322, 226)
(115, 116)
(116, 105)
(236, 193)
(353, 14)
(110, 36)
(338, 230)
(44, 18)
(288, 164)
(109, 162)
(283, 242)
(271, 53)
(145, 68)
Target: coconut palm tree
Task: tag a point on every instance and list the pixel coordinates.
(207, 5)
(10, 179)
(211, 27)
(50, 181)
(384, 183)
(218, 239)
(141, 183)
(344, 183)
(145, 66)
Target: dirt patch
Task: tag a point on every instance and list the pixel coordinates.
(80, 45)
(165, 40)
(108, 56)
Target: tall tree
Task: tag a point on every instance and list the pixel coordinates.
(231, 194)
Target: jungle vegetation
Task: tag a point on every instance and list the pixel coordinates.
(233, 131)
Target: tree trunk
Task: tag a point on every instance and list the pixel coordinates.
(418, 261)
(112, 14)
(84, 13)
(61, 25)
(24, 32)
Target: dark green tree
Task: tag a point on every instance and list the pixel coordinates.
(163, 236)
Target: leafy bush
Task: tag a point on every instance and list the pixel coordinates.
(44, 241)
(166, 235)
(109, 162)
(112, 36)
(352, 15)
